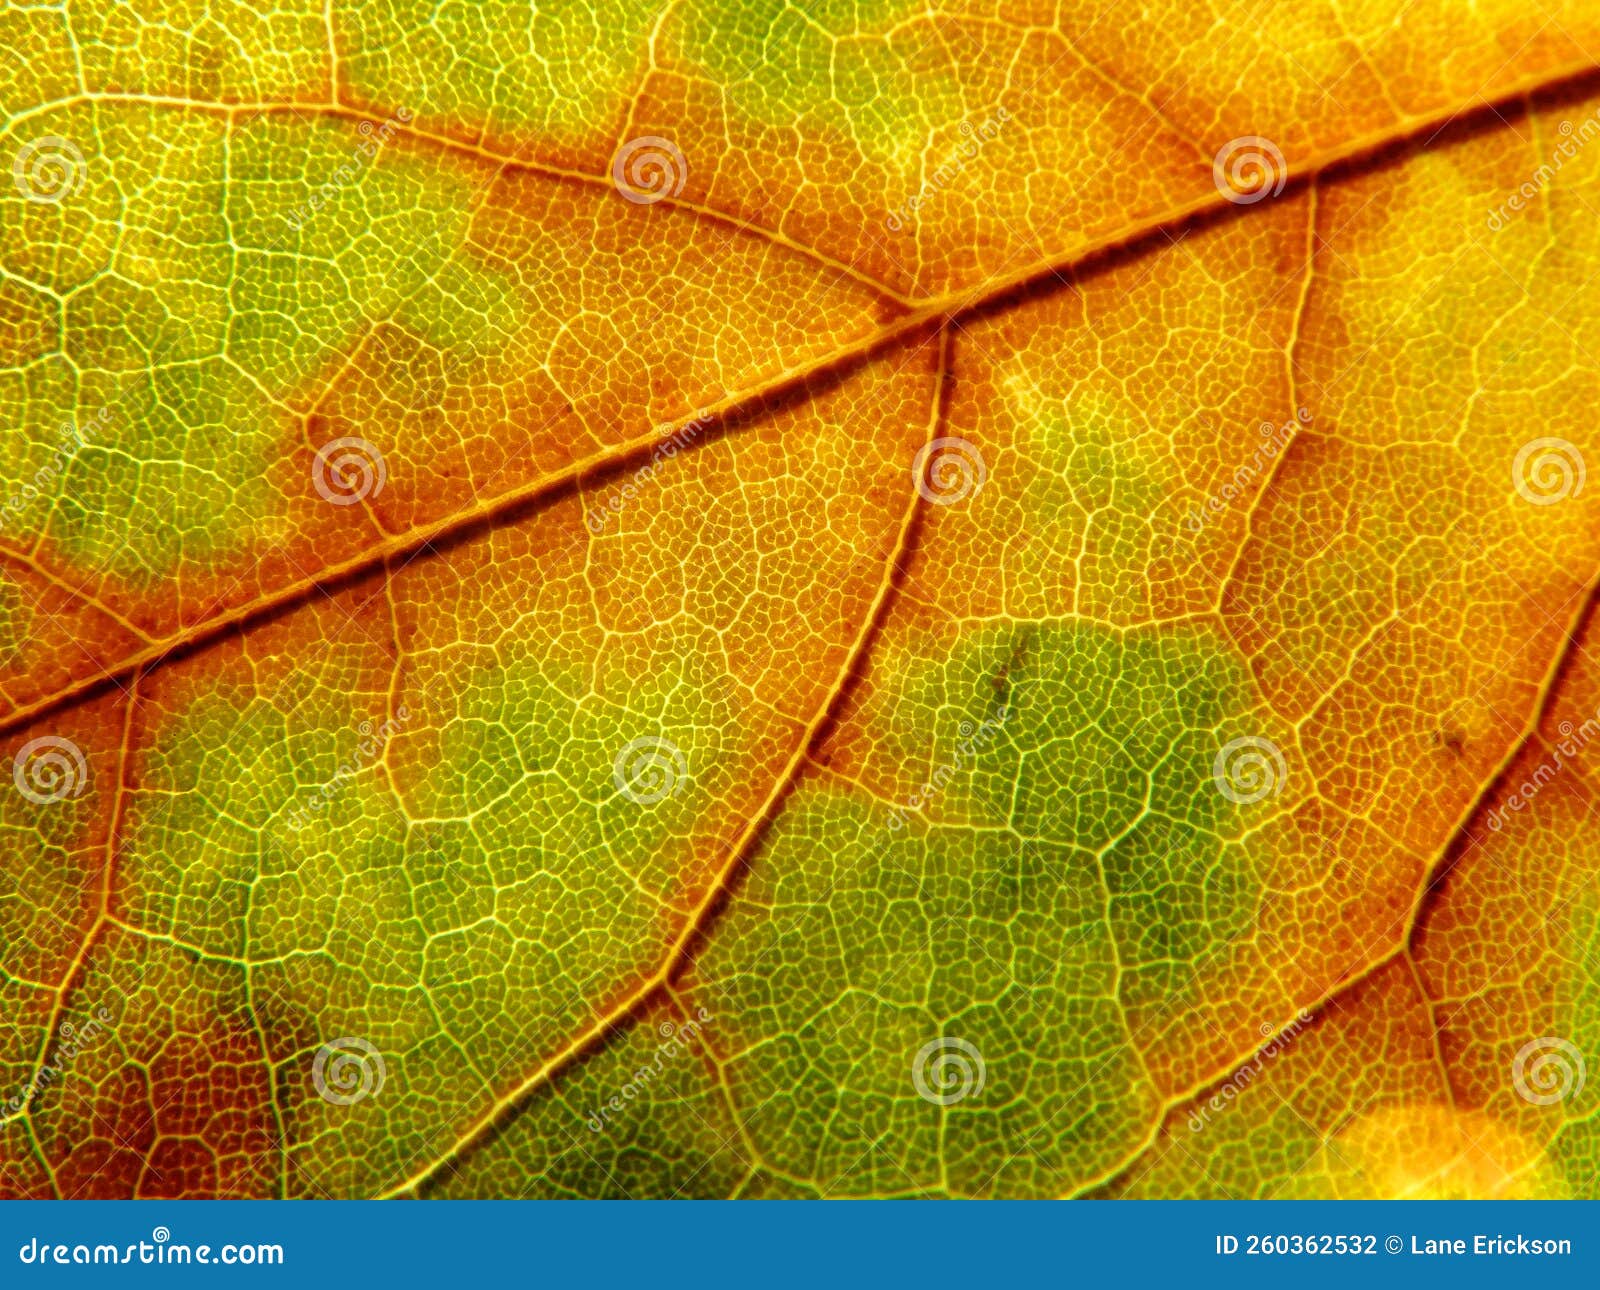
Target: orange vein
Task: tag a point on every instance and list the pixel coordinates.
(737, 852)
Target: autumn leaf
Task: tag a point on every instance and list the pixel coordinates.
(767, 600)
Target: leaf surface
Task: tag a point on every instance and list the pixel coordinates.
(930, 644)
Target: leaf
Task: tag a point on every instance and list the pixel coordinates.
(747, 602)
